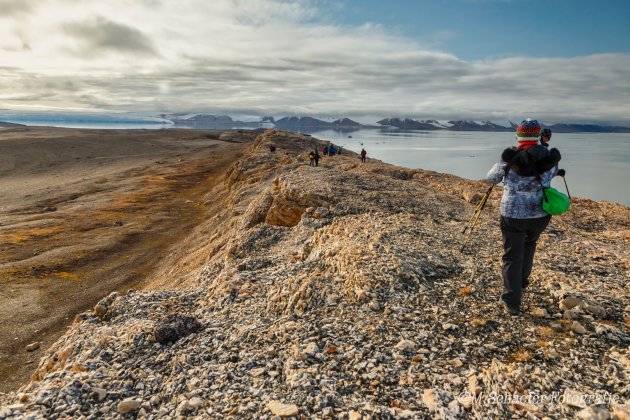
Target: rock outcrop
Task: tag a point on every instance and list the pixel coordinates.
(339, 291)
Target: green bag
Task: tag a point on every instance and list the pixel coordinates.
(554, 202)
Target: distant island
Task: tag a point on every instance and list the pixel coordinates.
(311, 124)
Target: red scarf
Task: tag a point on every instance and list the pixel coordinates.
(527, 144)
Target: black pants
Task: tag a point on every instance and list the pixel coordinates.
(519, 245)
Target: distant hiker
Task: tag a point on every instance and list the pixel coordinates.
(545, 136)
(339, 150)
(363, 154)
(523, 170)
(325, 150)
(331, 150)
(272, 148)
(311, 158)
(317, 157)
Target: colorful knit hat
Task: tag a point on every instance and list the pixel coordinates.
(528, 130)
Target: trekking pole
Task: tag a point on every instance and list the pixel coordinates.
(478, 208)
(473, 215)
(566, 186)
(476, 216)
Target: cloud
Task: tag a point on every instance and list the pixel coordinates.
(101, 34)
(282, 57)
(10, 8)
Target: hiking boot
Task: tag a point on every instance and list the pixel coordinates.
(512, 310)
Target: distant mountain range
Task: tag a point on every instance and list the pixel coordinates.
(463, 125)
(311, 124)
(8, 124)
(306, 123)
(286, 123)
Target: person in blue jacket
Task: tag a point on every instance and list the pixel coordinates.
(524, 170)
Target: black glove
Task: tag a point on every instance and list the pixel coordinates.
(562, 172)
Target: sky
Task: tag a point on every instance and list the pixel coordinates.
(555, 60)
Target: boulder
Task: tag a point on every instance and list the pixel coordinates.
(174, 327)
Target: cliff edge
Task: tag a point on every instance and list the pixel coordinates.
(339, 291)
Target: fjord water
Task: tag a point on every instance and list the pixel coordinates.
(597, 164)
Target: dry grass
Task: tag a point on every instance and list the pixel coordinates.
(66, 275)
(478, 322)
(24, 235)
(545, 331)
(523, 356)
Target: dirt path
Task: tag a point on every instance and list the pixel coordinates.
(86, 212)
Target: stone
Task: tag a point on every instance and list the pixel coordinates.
(598, 311)
(471, 196)
(321, 213)
(354, 415)
(570, 303)
(174, 327)
(278, 408)
(573, 398)
(621, 412)
(128, 405)
(98, 394)
(100, 310)
(521, 406)
(183, 407)
(405, 346)
(466, 400)
(594, 413)
(33, 346)
(540, 313)
(195, 403)
(257, 372)
(311, 349)
(457, 363)
(473, 386)
(430, 399)
(578, 328)
(570, 314)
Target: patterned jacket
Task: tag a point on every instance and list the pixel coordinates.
(522, 195)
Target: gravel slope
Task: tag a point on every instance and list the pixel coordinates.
(340, 292)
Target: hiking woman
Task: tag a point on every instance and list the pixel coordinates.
(523, 170)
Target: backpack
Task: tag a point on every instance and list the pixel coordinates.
(554, 202)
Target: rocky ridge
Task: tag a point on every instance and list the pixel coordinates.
(340, 292)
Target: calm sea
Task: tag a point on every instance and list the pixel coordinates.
(597, 165)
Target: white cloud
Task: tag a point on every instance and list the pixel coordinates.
(282, 57)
